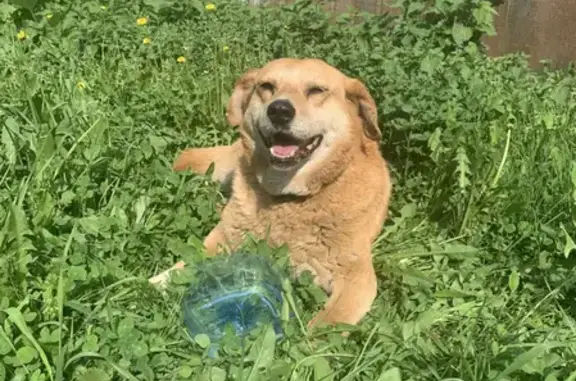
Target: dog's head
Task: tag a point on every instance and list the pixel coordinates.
(300, 119)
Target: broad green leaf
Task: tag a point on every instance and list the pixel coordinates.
(408, 330)
(17, 222)
(202, 340)
(452, 294)
(77, 273)
(95, 224)
(409, 210)
(427, 319)
(194, 361)
(428, 65)
(32, 84)
(415, 7)
(26, 355)
(484, 16)
(45, 155)
(434, 143)
(463, 167)
(38, 375)
(2, 372)
(461, 33)
(94, 374)
(560, 94)
(569, 245)
(197, 4)
(97, 130)
(464, 251)
(159, 143)
(47, 337)
(523, 359)
(139, 208)
(213, 374)
(27, 4)
(139, 348)
(5, 345)
(513, 280)
(573, 178)
(185, 371)
(392, 374)
(471, 49)
(548, 120)
(157, 5)
(125, 327)
(16, 317)
(9, 146)
(6, 11)
(322, 370)
(262, 352)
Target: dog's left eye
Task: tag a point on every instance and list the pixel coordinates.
(315, 90)
(267, 86)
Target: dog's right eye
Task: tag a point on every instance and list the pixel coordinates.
(314, 90)
(267, 86)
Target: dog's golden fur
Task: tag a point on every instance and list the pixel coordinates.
(330, 208)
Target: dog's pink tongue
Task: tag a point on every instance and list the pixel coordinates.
(284, 151)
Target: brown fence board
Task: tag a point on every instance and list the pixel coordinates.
(543, 29)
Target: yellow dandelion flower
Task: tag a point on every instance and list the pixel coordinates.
(22, 35)
(146, 41)
(49, 16)
(80, 85)
(225, 48)
(210, 7)
(142, 20)
(181, 59)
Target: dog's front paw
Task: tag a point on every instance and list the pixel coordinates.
(160, 280)
(323, 319)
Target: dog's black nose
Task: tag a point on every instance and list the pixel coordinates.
(281, 112)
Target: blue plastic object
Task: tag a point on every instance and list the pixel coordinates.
(240, 290)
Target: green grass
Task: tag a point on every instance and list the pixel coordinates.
(476, 262)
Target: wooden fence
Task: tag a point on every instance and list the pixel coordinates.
(543, 29)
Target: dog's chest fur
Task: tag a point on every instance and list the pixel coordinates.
(324, 232)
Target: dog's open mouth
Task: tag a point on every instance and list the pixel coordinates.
(287, 150)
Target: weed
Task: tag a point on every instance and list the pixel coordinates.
(476, 262)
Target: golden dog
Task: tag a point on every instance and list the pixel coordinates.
(306, 172)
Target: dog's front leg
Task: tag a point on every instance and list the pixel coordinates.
(354, 289)
(215, 240)
(213, 243)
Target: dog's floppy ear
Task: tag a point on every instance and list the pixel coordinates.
(240, 96)
(358, 94)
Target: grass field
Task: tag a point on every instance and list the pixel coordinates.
(476, 262)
